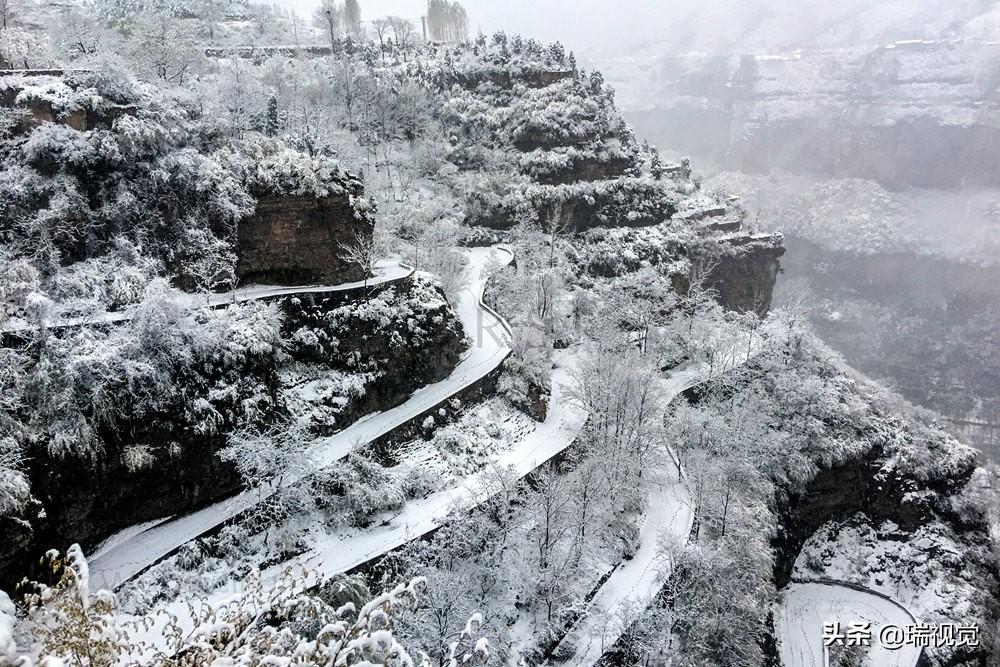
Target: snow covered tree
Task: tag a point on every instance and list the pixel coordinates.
(623, 394)
(68, 621)
(329, 17)
(269, 622)
(274, 461)
(403, 33)
(352, 18)
(362, 253)
(164, 47)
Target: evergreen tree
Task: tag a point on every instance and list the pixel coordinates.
(272, 121)
(352, 17)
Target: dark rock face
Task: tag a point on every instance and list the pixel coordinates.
(863, 486)
(743, 275)
(836, 494)
(18, 535)
(85, 501)
(532, 78)
(412, 363)
(745, 278)
(621, 202)
(582, 170)
(295, 240)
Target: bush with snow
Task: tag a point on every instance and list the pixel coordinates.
(275, 623)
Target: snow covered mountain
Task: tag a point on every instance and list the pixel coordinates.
(520, 374)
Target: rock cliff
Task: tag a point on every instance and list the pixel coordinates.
(923, 113)
(301, 239)
(337, 365)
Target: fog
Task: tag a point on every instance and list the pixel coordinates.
(859, 129)
(715, 26)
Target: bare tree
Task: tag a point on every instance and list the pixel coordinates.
(362, 252)
(382, 27)
(7, 13)
(330, 17)
(403, 33)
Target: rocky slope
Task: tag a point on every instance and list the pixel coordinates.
(571, 164)
(113, 191)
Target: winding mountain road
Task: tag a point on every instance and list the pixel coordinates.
(805, 606)
(132, 551)
(385, 271)
(633, 585)
(334, 554)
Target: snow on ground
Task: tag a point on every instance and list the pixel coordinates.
(385, 271)
(318, 394)
(634, 584)
(489, 347)
(333, 554)
(805, 607)
(924, 570)
(469, 443)
(7, 615)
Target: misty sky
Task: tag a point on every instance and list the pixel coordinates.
(591, 24)
(709, 25)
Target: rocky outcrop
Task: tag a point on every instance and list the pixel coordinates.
(742, 269)
(746, 273)
(85, 501)
(925, 540)
(621, 202)
(416, 348)
(577, 168)
(835, 494)
(296, 239)
(532, 78)
(52, 96)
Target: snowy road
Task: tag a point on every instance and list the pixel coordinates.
(335, 554)
(385, 271)
(634, 584)
(124, 556)
(805, 607)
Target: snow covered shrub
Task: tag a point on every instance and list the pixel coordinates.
(138, 457)
(68, 621)
(528, 370)
(274, 623)
(14, 488)
(86, 386)
(20, 278)
(23, 49)
(418, 482)
(359, 488)
(190, 555)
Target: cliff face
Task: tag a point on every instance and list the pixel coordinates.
(837, 493)
(416, 340)
(746, 274)
(892, 533)
(295, 240)
(574, 164)
(912, 113)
